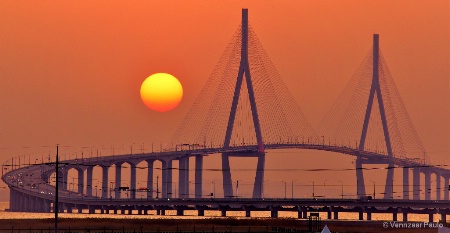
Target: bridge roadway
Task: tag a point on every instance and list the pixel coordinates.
(30, 188)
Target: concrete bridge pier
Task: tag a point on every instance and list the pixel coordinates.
(118, 184)
(258, 186)
(47, 206)
(201, 212)
(300, 210)
(394, 216)
(150, 178)
(166, 179)
(247, 213)
(438, 186)
(446, 188)
(336, 215)
(89, 171)
(133, 181)
(80, 181)
(180, 212)
(405, 216)
(198, 176)
(274, 214)
(361, 215)
(183, 177)
(369, 215)
(427, 185)
(416, 183)
(443, 217)
(430, 217)
(105, 181)
(65, 177)
(226, 175)
(223, 213)
(405, 183)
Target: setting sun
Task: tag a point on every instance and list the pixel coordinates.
(161, 92)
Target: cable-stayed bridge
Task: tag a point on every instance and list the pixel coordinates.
(244, 110)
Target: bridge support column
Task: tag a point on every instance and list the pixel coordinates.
(117, 193)
(427, 185)
(336, 215)
(360, 186)
(166, 179)
(446, 188)
(443, 217)
(389, 186)
(416, 184)
(133, 181)
(430, 217)
(12, 200)
(201, 212)
(105, 181)
(182, 173)
(405, 216)
(274, 214)
(198, 176)
(369, 215)
(65, 177)
(247, 213)
(180, 212)
(89, 181)
(259, 178)
(361, 215)
(438, 186)
(394, 216)
(405, 183)
(223, 213)
(329, 214)
(80, 181)
(226, 175)
(150, 178)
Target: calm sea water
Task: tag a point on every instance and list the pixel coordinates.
(193, 215)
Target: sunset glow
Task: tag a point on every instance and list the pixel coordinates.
(161, 92)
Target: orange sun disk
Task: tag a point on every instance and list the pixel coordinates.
(161, 92)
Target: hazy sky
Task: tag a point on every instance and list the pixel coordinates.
(71, 71)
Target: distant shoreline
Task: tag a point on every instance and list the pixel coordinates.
(209, 224)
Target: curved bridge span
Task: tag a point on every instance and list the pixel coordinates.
(31, 190)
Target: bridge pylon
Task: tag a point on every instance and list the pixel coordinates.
(375, 89)
(244, 70)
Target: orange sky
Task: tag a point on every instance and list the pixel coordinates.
(71, 71)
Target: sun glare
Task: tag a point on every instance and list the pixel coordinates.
(161, 92)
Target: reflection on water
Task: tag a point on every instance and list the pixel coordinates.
(192, 214)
